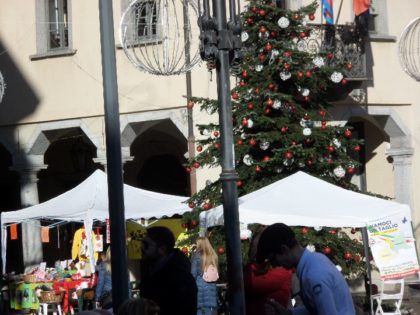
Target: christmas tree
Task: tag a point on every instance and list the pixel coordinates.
(281, 122)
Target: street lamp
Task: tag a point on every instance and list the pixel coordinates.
(220, 46)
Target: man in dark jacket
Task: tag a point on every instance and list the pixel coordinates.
(165, 274)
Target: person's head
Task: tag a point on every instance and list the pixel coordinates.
(208, 255)
(278, 244)
(138, 307)
(158, 242)
(253, 245)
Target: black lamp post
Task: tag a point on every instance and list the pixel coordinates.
(220, 44)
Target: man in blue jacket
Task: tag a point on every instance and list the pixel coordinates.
(323, 289)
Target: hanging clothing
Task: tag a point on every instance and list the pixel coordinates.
(80, 249)
(360, 6)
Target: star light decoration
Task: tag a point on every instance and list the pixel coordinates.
(158, 36)
(2, 87)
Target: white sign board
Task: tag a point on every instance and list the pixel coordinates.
(393, 247)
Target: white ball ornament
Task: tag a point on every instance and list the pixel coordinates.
(318, 61)
(337, 143)
(317, 228)
(339, 268)
(248, 160)
(336, 77)
(244, 36)
(285, 75)
(206, 132)
(305, 92)
(250, 123)
(264, 145)
(283, 22)
(301, 46)
(339, 171)
(277, 104)
(310, 248)
(307, 132)
(259, 68)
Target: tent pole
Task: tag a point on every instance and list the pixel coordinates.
(368, 267)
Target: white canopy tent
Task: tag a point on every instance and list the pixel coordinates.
(88, 202)
(304, 200)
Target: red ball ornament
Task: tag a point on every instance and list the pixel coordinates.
(239, 183)
(302, 35)
(220, 250)
(330, 149)
(311, 16)
(284, 130)
(357, 148)
(322, 113)
(240, 142)
(347, 133)
(309, 163)
(188, 169)
(344, 82)
(261, 57)
(258, 168)
(262, 29)
(296, 17)
(305, 231)
(191, 205)
(242, 83)
(308, 74)
(199, 148)
(184, 225)
(250, 106)
(348, 256)
(249, 21)
(196, 165)
(306, 98)
(267, 111)
(289, 155)
(330, 56)
(286, 66)
(257, 90)
(266, 158)
(254, 9)
(327, 250)
(349, 66)
(269, 102)
(244, 122)
(323, 126)
(350, 170)
(235, 96)
(268, 47)
(270, 86)
(216, 133)
(194, 222)
(287, 54)
(184, 250)
(190, 104)
(357, 258)
(206, 206)
(332, 232)
(353, 231)
(300, 75)
(262, 13)
(216, 145)
(244, 74)
(273, 34)
(252, 141)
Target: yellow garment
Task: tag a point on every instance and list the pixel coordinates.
(79, 249)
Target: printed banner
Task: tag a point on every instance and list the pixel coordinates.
(393, 247)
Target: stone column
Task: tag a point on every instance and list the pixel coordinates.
(28, 168)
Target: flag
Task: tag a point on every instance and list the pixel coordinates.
(360, 6)
(327, 11)
(45, 234)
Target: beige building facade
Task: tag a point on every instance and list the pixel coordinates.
(52, 130)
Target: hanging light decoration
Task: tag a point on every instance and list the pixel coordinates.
(409, 49)
(157, 35)
(2, 87)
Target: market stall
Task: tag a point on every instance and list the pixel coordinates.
(86, 203)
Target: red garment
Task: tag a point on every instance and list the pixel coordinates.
(275, 284)
(360, 6)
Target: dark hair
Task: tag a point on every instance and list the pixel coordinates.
(138, 307)
(272, 238)
(162, 236)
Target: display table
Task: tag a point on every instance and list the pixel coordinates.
(23, 296)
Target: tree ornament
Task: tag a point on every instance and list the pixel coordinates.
(244, 36)
(216, 145)
(184, 250)
(206, 206)
(330, 149)
(235, 96)
(309, 163)
(258, 169)
(262, 13)
(327, 250)
(337, 143)
(188, 169)
(286, 66)
(199, 148)
(250, 123)
(311, 16)
(350, 170)
(311, 248)
(305, 230)
(261, 57)
(216, 133)
(300, 74)
(339, 172)
(264, 145)
(191, 205)
(259, 68)
(253, 9)
(249, 21)
(330, 56)
(248, 161)
(283, 22)
(307, 131)
(332, 232)
(353, 231)
(318, 228)
(357, 148)
(357, 258)
(196, 165)
(242, 83)
(284, 130)
(339, 268)
(322, 113)
(349, 66)
(190, 104)
(268, 47)
(273, 34)
(270, 86)
(244, 74)
(269, 102)
(305, 92)
(336, 77)
(318, 62)
(240, 142)
(244, 122)
(308, 74)
(348, 256)
(344, 82)
(285, 75)
(302, 35)
(220, 250)
(347, 133)
(289, 155)
(239, 183)
(252, 141)
(277, 104)
(266, 158)
(250, 106)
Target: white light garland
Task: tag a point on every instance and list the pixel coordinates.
(2, 87)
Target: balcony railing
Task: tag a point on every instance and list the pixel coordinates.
(346, 44)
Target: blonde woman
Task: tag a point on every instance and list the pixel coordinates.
(204, 257)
